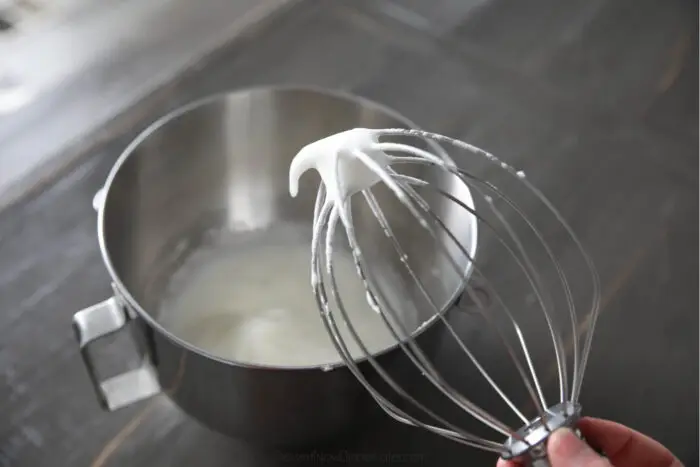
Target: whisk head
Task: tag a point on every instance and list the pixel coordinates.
(524, 287)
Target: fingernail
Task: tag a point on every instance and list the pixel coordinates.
(565, 443)
(565, 448)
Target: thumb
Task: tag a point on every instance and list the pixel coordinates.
(565, 449)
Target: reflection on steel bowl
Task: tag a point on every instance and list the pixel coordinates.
(221, 165)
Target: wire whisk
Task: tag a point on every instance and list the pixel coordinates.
(424, 198)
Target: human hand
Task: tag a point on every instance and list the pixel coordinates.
(623, 447)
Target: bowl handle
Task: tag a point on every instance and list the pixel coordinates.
(100, 320)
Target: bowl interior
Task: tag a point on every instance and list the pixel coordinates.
(216, 174)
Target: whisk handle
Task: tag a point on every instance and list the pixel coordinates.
(529, 445)
(537, 457)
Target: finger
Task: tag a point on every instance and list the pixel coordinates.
(624, 446)
(504, 463)
(565, 449)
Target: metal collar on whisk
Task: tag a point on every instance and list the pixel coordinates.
(527, 442)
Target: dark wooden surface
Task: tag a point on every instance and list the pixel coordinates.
(595, 99)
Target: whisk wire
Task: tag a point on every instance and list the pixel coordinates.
(595, 305)
(397, 247)
(531, 278)
(429, 370)
(425, 157)
(579, 362)
(322, 300)
(541, 404)
(396, 187)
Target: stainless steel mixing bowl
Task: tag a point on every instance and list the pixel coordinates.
(221, 164)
